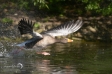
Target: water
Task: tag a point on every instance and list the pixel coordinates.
(79, 57)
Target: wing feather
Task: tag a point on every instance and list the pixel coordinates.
(66, 28)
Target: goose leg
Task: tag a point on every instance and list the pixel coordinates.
(43, 53)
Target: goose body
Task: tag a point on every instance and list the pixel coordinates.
(47, 40)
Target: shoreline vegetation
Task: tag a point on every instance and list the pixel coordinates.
(96, 27)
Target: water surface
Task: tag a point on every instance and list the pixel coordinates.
(79, 57)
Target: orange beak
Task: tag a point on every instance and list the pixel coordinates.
(70, 40)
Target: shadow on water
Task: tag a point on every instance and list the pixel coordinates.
(79, 57)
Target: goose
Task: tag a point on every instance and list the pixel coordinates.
(45, 38)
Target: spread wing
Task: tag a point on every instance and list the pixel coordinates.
(26, 26)
(65, 29)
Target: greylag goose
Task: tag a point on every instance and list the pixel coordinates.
(39, 41)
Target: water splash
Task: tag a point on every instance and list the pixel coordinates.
(8, 38)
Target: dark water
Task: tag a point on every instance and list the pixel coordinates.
(80, 57)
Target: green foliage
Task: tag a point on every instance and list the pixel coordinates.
(24, 4)
(62, 6)
(92, 6)
(6, 20)
(29, 4)
(4, 5)
(40, 3)
(98, 6)
(107, 10)
(36, 25)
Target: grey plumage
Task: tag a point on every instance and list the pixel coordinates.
(26, 26)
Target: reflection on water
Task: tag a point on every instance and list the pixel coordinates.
(76, 58)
